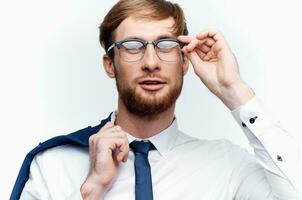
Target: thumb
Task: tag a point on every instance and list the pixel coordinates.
(194, 59)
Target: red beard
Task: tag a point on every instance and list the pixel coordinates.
(147, 106)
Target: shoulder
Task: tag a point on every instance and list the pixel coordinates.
(211, 148)
(61, 149)
(67, 143)
(58, 171)
(219, 144)
(61, 157)
(63, 152)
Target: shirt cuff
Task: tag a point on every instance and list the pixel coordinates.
(275, 148)
(255, 116)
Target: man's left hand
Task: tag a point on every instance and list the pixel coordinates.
(216, 66)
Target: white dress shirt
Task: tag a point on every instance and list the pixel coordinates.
(184, 167)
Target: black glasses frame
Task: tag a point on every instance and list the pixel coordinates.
(118, 44)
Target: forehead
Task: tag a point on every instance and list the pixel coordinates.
(145, 29)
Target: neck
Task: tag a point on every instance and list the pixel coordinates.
(143, 127)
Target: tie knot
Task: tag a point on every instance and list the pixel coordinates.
(142, 147)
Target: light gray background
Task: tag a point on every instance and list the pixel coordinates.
(52, 81)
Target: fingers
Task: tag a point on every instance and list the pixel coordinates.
(184, 38)
(200, 53)
(107, 126)
(216, 36)
(107, 149)
(110, 138)
(194, 57)
(210, 33)
(192, 44)
(120, 149)
(208, 45)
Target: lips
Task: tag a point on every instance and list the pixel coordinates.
(152, 84)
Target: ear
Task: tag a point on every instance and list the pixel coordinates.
(185, 66)
(108, 66)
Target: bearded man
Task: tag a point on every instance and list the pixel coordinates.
(138, 152)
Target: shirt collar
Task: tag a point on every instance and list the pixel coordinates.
(163, 141)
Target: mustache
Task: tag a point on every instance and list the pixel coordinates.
(153, 75)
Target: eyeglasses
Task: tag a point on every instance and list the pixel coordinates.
(132, 50)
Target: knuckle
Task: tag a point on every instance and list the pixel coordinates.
(121, 134)
(121, 141)
(107, 125)
(91, 139)
(117, 128)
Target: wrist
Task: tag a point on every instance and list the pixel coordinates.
(90, 191)
(236, 95)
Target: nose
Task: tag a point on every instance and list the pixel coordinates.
(150, 59)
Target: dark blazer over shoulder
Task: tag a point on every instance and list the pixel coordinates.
(78, 138)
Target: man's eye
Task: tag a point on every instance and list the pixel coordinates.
(132, 45)
(167, 45)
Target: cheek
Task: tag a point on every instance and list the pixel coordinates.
(175, 74)
(126, 77)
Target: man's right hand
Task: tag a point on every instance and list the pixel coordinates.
(107, 149)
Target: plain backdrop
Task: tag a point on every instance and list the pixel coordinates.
(52, 81)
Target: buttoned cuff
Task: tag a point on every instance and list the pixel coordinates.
(254, 116)
(275, 148)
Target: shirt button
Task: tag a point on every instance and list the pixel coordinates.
(279, 158)
(243, 124)
(252, 120)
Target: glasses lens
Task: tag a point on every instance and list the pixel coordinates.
(168, 50)
(131, 50)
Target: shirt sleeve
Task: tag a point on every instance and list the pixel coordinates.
(36, 186)
(275, 149)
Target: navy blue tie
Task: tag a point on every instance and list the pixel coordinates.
(143, 180)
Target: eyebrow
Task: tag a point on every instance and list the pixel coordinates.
(158, 38)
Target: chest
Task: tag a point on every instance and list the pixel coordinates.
(174, 176)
